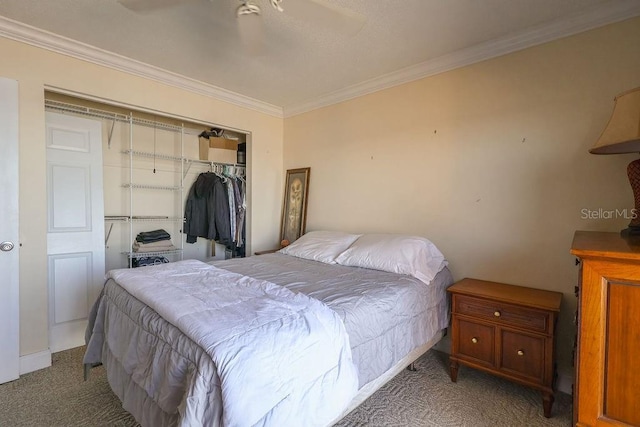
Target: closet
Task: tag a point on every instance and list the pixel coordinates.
(150, 163)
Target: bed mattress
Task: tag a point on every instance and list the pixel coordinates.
(386, 315)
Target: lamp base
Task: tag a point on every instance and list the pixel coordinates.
(633, 173)
(632, 230)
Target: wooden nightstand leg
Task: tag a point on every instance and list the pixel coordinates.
(547, 403)
(453, 370)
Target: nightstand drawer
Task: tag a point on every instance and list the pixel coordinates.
(500, 312)
(523, 354)
(476, 342)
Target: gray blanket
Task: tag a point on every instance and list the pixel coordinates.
(385, 316)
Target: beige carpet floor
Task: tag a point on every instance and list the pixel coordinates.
(58, 396)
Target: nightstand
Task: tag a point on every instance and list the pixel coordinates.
(505, 330)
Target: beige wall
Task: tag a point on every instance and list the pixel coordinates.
(489, 161)
(34, 69)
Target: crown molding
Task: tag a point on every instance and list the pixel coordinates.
(18, 31)
(584, 21)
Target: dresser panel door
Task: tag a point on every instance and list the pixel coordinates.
(523, 355)
(622, 376)
(609, 344)
(476, 342)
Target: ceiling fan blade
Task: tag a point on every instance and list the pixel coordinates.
(150, 5)
(325, 14)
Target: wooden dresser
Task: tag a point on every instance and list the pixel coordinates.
(505, 330)
(607, 383)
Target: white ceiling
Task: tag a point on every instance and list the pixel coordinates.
(304, 64)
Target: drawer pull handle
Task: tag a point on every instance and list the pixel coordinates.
(520, 353)
(474, 340)
(496, 313)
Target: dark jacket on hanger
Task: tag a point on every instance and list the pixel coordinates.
(207, 210)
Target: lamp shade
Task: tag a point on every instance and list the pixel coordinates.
(622, 133)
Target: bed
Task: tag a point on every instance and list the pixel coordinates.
(298, 337)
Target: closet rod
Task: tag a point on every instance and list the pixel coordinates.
(210, 163)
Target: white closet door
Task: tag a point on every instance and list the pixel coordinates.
(9, 265)
(75, 234)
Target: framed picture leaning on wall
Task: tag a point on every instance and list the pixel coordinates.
(294, 207)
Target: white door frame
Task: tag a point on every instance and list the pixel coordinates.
(9, 258)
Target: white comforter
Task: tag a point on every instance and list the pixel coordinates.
(281, 358)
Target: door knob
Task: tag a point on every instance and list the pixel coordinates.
(6, 246)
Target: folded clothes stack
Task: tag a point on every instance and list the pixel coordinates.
(153, 241)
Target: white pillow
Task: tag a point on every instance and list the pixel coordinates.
(323, 246)
(412, 255)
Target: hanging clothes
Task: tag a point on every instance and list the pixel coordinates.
(207, 212)
(232, 208)
(241, 207)
(216, 209)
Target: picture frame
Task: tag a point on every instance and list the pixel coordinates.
(294, 205)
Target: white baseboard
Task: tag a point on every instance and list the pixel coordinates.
(564, 383)
(35, 361)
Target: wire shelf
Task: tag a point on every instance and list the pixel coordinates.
(84, 111)
(211, 162)
(109, 115)
(157, 219)
(153, 155)
(140, 218)
(116, 218)
(151, 187)
(148, 254)
(240, 169)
